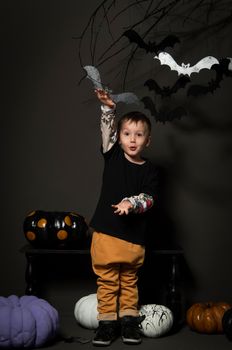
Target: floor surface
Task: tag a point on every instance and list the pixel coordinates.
(183, 339)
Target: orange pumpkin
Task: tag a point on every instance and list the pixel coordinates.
(207, 317)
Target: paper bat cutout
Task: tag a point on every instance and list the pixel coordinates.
(223, 68)
(94, 75)
(167, 91)
(185, 69)
(134, 37)
(162, 115)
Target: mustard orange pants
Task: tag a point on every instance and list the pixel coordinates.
(116, 263)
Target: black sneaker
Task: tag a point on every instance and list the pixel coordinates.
(106, 333)
(131, 329)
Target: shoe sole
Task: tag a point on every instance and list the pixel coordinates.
(131, 341)
(101, 343)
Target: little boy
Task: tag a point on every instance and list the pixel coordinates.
(119, 222)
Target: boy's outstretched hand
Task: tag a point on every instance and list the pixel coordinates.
(105, 98)
(122, 208)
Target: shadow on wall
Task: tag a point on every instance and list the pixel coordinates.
(161, 229)
(163, 235)
(194, 205)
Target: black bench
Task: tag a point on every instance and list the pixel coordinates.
(174, 256)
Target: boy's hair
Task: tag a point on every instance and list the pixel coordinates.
(136, 117)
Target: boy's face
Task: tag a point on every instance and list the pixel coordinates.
(133, 138)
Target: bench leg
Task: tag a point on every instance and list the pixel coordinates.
(30, 275)
(174, 293)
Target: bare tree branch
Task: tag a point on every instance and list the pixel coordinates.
(151, 13)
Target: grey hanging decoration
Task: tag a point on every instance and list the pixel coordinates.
(125, 97)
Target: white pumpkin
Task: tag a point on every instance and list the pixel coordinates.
(158, 320)
(85, 311)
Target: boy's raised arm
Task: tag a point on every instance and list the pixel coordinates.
(108, 129)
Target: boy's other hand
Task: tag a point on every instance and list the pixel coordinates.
(122, 208)
(105, 98)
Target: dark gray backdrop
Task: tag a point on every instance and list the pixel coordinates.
(50, 142)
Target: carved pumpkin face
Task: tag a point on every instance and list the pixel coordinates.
(55, 229)
(206, 317)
